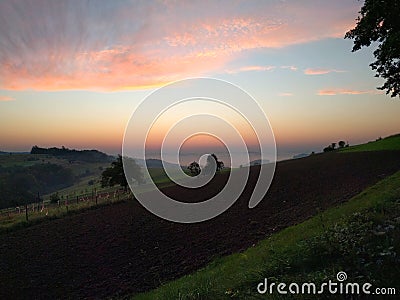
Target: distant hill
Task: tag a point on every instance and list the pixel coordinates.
(153, 163)
(301, 155)
(74, 155)
(22, 183)
(259, 162)
(8, 153)
(44, 171)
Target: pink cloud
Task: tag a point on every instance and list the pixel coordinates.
(251, 68)
(311, 71)
(59, 45)
(334, 92)
(6, 98)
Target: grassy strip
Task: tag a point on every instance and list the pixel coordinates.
(389, 143)
(19, 221)
(360, 237)
(15, 222)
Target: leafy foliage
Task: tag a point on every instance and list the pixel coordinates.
(213, 162)
(194, 168)
(332, 146)
(19, 184)
(342, 144)
(54, 198)
(220, 164)
(379, 22)
(115, 175)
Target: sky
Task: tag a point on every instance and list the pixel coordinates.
(72, 72)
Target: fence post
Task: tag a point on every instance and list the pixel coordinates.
(26, 210)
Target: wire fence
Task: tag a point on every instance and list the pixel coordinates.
(47, 207)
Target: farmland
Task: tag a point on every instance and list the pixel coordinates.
(122, 249)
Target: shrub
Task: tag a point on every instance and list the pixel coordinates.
(54, 198)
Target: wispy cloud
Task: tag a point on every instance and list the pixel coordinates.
(260, 68)
(334, 92)
(312, 71)
(6, 98)
(291, 68)
(108, 45)
(250, 68)
(285, 94)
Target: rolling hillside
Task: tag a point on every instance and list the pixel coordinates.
(124, 249)
(25, 176)
(389, 143)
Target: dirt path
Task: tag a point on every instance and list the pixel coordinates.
(123, 248)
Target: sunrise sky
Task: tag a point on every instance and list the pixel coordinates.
(72, 72)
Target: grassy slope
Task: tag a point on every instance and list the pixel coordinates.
(361, 237)
(389, 143)
(26, 160)
(86, 171)
(81, 188)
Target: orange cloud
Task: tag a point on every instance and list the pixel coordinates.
(6, 98)
(114, 69)
(311, 71)
(82, 45)
(334, 92)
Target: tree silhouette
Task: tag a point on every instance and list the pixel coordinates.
(220, 164)
(194, 168)
(332, 146)
(115, 174)
(379, 22)
(341, 144)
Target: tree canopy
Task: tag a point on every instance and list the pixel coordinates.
(72, 154)
(20, 184)
(194, 168)
(115, 174)
(213, 164)
(379, 22)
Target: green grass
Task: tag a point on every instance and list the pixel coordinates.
(85, 171)
(26, 160)
(57, 212)
(79, 188)
(360, 237)
(15, 221)
(389, 143)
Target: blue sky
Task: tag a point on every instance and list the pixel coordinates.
(72, 72)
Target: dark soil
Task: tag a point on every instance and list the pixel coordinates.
(122, 248)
